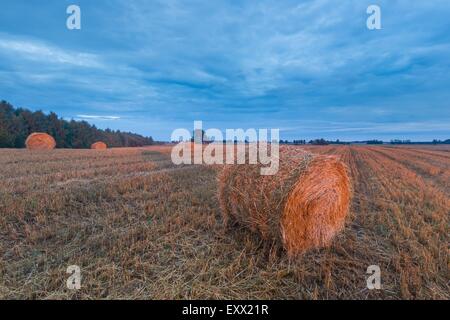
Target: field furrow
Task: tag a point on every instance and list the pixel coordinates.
(141, 227)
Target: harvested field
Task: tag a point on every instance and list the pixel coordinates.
(141, 228)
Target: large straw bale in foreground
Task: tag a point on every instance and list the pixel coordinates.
(99, 145)
(301, 207)
(40, 141)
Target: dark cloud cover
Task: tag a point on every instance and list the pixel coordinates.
(310, 68)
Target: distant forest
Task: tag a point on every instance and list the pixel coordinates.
(17, 124)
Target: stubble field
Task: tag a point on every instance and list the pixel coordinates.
(140, 227)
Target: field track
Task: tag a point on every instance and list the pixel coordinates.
(141, 228)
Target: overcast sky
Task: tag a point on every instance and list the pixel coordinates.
(310, 68)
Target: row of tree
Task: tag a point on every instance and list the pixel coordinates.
(17, 123)
(326, 142)
(435, 141)
(319, 142)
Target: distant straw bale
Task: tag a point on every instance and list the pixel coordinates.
(99, 145)
(40, 141)
(301, 207)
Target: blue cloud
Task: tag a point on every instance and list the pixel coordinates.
(310, 68)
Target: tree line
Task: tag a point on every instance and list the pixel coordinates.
(17, 123)
(375, 141)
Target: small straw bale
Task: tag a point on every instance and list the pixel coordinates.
(40, 141)
(301, 207)
(99, 145)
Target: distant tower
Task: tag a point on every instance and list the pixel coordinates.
(198, 136)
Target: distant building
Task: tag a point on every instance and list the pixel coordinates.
(200, 137)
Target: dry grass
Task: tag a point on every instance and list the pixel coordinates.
(141, 228)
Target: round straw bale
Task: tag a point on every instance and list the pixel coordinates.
(99, 145)
(301, 207)
(40, 141)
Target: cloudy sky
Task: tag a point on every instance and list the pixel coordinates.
(310, 68)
